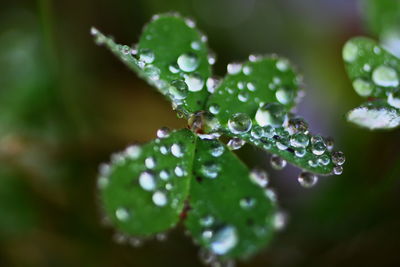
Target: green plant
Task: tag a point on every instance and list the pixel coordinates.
(374, 67)
(190, 174)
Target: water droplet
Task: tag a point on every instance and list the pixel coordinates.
(194, 82)
(211, 58)
(188, 62)
(178, 90)
(235, 143)
(377, 50)
(338, 158)
(324, 160)
(279, 220)
(299, 140)
(234, 68)
(338, 170)
(273, 114)
(217, 149)
(179, 171)
(210, 170)
(164, 175)
(146, 55)
(212, 84)
(251, 87)
(243, 96)
(239, 123)
(367, 67)
(284, 96)
(173, 68)
(350, 52)
(207, 221)
(152, 72)
(207, 234)
(313, 163)
(257, 132)
(133, 151)
(159, 198)
(224, 240)
(195, 45)
(214, 109)
(318, 148)
(240, 85)
(385, 76)
(177, 150)
(300, 152)
(282, 64)
(247, 203)
(363, 88)
(270, 194)
(247, 70)
(135, 242)
(163, 132)
(206, 256)
(330, 143)
(277, 162)
(203, 122)
(393, 101)
(102, 182)
(146, 181)
(307, 179)
(150, 163)
(259, 177)
(122, 214)
(190, 22)
(161, 237)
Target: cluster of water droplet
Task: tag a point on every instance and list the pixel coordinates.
(374, 78)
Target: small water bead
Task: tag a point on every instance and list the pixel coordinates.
(179, 171)
(207, 221)
(146, 55)
(255, 58)
(282, 64)
(102, 182)
(330, 143)
(234, 68)
(277, 80)
(243, 96)
(195, 45)
(206, 256)
(338, 170)
(203, 122)
(164, 175)
(385, 76)
(214, 109)
(393, 101)
(300, 152)
(168, 186)
(207, 234)
(135, 242)
(150, 163)
(313, 163)
(273, 114)
(318, 148)
(257, 132)
(350, 52)
(188, 62)
(164, 150)
(363, 88)
(122, 214)
(174, 68)
(324, 160)
(117, 158)
(247, 203)
(161, 237)
(146, 181)
(163, 132)
(240, 85)
(120, 238)
(317, 139)
(307, 179)
(224, 240)
(239, 123)
(212, 84)
(159, 198)
(211, 58)
(247, 70)
(190, 22)
(235, 143)
(338, 158)
(177, 150)
(270, 194)
(251, 87)
(377, 50)
(299, 140)
(277, 162)
(194, 82)
(133, 151)
(269, 131)
(279, 220)
(152, 72)
(178, 89)
(217, 149)
(284, 95)
(210, 170)
(125, 50)
(259, 177)
(367, 67)
(282, 144)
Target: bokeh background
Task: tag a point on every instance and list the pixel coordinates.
(66, 104)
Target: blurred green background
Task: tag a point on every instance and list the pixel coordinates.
(66, 104)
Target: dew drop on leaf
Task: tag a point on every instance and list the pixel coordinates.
(194, 82)
(235, 143)
(146, 181)
(273, 114)
(188, 62)
(385, 76)
(224, 240)
(234, 68)
(350, 52)
(338, 158)
(159, 198)
(259, 177)
(239, 123)
(307, 179)
(146, 55)
(122, 214)
(363, 88)
(277, 162)
(178, 90)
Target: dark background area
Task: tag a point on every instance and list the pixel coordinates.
(67, 104)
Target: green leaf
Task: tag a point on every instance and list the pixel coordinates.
(382, 15)
(253, 102)
(144, 188)
(229, 213)
(172, 56)
(375, 115)
(373, 70)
